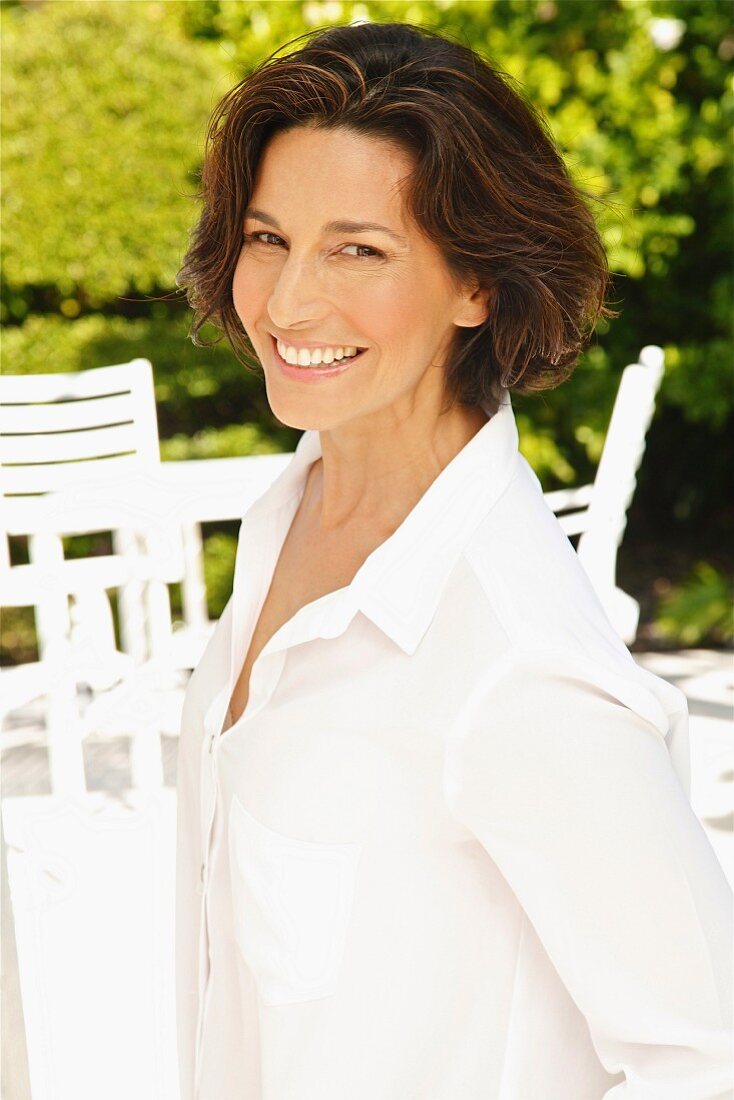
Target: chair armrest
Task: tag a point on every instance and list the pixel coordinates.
(561, 499)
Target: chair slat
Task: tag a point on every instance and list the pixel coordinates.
(26, 585)
(574, 523)
(561, 499)
(21, 684)
(66, 446)
(95, 382)
(65, 416)
(65, 475)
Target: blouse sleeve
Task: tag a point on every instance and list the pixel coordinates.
(572, 792)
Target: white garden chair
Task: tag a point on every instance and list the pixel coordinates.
(87, 428)
(598, 511)
(60, 431)
(80, 653)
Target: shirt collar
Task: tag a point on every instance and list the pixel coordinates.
(399, 585)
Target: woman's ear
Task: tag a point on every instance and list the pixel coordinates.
(475, 307)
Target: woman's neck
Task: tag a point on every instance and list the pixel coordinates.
(373, 480)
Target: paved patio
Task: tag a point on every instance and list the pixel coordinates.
(706, 677)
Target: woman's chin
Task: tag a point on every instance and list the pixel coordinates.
(295, 411)
(304, 407)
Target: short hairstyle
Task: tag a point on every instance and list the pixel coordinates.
(489, 188)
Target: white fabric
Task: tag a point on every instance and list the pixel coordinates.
(447, 853)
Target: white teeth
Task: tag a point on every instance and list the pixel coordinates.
(304, 357)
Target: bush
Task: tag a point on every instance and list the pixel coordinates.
(103, 122)
(700, 611)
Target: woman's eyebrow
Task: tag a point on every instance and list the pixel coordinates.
(332, 227)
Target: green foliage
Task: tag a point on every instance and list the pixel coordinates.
(698, 377)
(103, 123)
(18, 645)
(219, 555)
(235, 439)
(542, 451)
(700, 611)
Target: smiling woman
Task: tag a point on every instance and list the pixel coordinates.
(457, 160)
(434, 835)
(316, 288)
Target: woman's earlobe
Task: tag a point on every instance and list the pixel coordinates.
(476, 312)
(477, 307)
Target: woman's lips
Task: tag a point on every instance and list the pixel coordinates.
(313, 374)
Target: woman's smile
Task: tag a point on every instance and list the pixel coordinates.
(314, 372)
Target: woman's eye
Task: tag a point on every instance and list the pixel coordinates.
(256, 236)
(374, 253)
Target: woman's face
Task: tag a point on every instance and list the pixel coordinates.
(308, 283)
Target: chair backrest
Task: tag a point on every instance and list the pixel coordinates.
(616, 475)
(598, 511)
(59, 430)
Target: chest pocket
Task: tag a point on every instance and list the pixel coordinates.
(292, 902)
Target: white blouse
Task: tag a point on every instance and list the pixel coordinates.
(447, 852)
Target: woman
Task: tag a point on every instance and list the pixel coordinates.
(433, 834)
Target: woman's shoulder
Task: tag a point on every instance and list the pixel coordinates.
(531, 573)
(559, 636)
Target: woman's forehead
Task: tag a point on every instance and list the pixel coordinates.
(350, 178)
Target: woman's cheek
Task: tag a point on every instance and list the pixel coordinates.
(390, 313)
(246, 291)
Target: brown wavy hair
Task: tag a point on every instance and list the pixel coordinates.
(489, 189)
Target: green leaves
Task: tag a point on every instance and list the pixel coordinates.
(699, 609)
(104, 112)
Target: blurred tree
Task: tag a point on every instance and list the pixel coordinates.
(103, 122)
(701, 609)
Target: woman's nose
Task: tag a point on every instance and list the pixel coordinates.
(297, 293)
